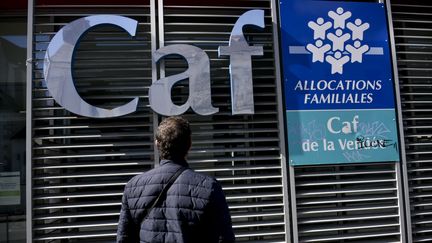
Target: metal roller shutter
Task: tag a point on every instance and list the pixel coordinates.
(347, 203)
(241, 151)
(80, 165)
(412, 25)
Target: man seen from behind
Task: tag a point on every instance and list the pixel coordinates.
(172, 203)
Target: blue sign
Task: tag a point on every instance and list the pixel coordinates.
(338, 82)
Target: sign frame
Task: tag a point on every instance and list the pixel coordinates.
(359, 141)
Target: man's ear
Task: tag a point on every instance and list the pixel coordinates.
(156, 143)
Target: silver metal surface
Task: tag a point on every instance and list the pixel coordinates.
(282, 132)
(198, 74)
(154, 76)
(29, 125)
(58, 66)
(240, 54)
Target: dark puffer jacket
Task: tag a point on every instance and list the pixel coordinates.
(195, 209)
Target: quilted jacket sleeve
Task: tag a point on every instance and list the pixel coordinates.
(221, 214)
(127, 231)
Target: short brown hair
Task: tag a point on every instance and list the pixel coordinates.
(173, 138)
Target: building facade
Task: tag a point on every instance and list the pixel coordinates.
(62, 174)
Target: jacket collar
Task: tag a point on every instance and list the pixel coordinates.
(181, 162)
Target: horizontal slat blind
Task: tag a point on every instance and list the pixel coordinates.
(347, 203)
(412, 25)
(241, 151)
(81, 165)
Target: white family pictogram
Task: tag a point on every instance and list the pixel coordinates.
(318, 50)
(337, 61)
(319, 28)
(338, 40)
(357, 51)
(339, 17)
(339, 46)
(358, 28)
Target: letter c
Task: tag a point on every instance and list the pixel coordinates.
(58, 62)
(329, 125)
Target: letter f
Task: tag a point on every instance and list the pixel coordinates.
(242, 101)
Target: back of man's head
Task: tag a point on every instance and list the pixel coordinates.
(173, 138)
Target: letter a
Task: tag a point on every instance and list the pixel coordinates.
(198, 73)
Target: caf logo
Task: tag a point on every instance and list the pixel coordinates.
(338, 40)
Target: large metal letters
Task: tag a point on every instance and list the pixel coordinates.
(198, 73)
(241, 53)
(58, 63)
(60, 83)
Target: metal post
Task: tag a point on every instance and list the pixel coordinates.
(153, 33)
(286, 170)
(403, 188)
(158, 42)
(161, 32)
(29, 80)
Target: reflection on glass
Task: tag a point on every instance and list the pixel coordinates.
(12, 129)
